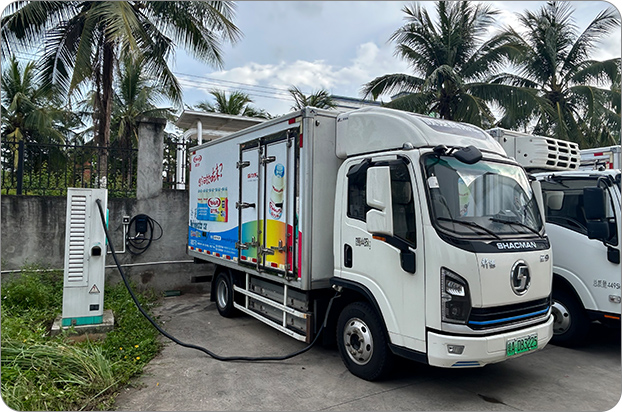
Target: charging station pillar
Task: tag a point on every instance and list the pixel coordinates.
(85, 258)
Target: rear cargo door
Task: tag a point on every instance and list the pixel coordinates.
(250, 207)
(267, 204)
(278, 175)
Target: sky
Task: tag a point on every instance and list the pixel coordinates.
(334, 45)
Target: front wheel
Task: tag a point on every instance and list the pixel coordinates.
(224, 295)
(362, 343)
(571, 324)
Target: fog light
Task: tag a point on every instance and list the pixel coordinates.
(455, 349)
(614, 299)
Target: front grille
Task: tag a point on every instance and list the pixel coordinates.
(485, 318)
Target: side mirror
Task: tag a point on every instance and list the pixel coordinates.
(598, 230)
(594, 203)
(595, 213)
(378, 197)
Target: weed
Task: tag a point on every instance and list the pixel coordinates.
(40, 372)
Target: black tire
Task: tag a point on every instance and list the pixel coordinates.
(362, 342)
(571, 325)
(223, 290)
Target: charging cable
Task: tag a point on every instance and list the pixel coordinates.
(143, 234)
(197, 347)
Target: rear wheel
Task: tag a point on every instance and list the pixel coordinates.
(224, 295)
(571, 324)
(362, 343)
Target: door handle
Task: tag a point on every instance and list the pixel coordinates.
(347, 255)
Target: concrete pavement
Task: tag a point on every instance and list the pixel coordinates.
(181, 379)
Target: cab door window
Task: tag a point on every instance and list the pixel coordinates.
(401, 196)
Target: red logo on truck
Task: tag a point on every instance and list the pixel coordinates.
(197, 160)
(213, 202)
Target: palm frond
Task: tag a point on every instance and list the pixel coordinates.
(392, 83)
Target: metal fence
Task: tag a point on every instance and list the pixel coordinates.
(49, 169)
(175, 172)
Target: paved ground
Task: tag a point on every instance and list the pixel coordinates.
(180, 379)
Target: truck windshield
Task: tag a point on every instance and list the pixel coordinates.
(486, 199)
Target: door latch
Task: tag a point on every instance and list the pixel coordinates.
(243, 205)
(279, 248)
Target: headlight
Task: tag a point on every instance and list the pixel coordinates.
(455, 298)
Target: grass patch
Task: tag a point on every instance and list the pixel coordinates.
(40, 372)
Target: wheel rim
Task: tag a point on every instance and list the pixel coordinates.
(561, 316)
(358, 341)
(222, 294)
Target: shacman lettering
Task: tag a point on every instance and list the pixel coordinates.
(517, 245)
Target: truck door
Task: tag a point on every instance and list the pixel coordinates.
(390, 267)
(267, 203)
(278, 203)
(249, 206)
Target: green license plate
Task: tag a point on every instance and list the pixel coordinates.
(521, 345)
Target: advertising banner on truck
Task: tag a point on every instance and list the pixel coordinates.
(213, 220)
(243, 203)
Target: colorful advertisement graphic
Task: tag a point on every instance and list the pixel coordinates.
(213, 204)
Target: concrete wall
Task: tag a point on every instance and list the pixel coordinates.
(33, 227)
(33, 232)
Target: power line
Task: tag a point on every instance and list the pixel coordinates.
(246, 89)
(250, 93)
(270, 88)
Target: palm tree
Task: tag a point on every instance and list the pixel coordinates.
(34, 122)
(320, 99)
(30, 112)
(450, 60)
(135, 97)
(85, 40)
(577, 98)
(237, 104)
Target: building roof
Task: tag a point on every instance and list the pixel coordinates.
(215, 124)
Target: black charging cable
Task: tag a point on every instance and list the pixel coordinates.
(144, 227)
(197, 347)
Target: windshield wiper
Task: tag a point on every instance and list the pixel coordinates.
(513, 222)
(470, 224)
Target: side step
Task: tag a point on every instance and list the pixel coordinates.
(268, 303)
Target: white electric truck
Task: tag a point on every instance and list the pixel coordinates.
(583, 222)
(431, 237)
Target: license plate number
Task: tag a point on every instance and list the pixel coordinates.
(521, 345)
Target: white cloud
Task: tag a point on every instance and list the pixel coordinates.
(267, 84)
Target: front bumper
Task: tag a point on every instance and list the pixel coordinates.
(480, 351)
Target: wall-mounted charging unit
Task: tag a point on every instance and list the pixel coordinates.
(85, 258)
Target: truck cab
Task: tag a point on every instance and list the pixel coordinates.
(443, 236)
(583, 221)
(582, 211)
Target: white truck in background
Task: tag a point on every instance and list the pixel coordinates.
(601, 158)
(431, 236)
(582, 208)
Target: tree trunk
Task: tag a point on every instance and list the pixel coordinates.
(103, 127)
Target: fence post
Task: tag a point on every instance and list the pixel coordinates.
(150, 157)
(20, 167)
